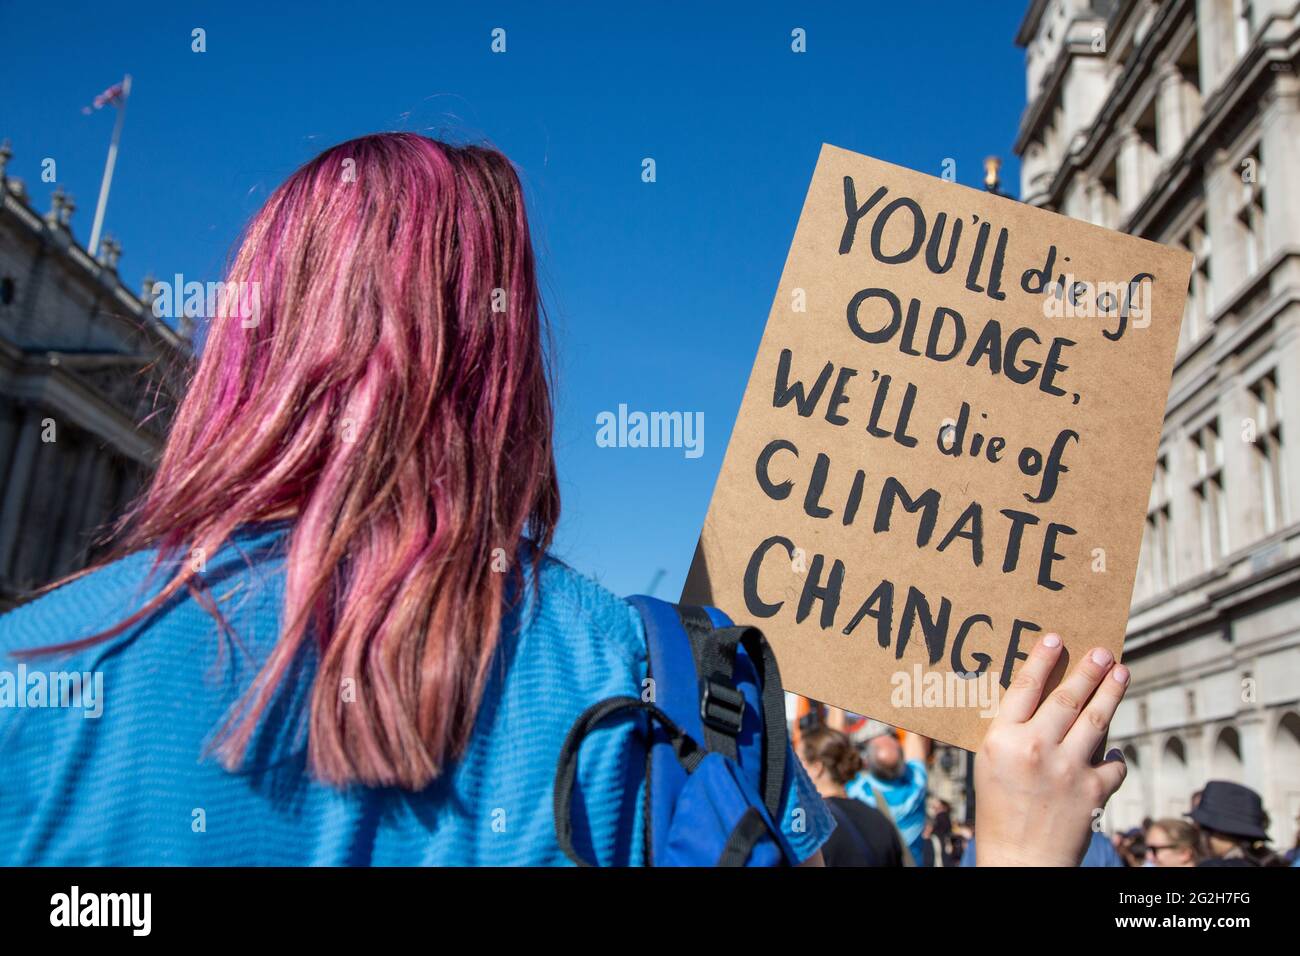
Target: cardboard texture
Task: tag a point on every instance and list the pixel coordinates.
(918, 617)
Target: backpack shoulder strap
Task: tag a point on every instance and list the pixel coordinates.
(728, 656)
(709, 682)
(681, 746)
(674, 689)
(697, 661)
(883, 806)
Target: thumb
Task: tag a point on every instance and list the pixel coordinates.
(1112, 772)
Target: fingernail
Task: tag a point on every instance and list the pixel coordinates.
(1051, 640)
(1115, 754)
(1101, 657)
(1120, 673)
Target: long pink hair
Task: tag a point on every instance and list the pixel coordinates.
(388, 392)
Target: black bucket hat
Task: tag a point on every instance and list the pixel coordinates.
(1232, 809)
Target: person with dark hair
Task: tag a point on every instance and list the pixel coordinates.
(940, 836)
(1131, 846)
(863, 836)
(1235, 825)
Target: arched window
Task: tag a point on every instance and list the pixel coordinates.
(1174, 780)
(1130, 802)
(1225, 762)
(1284, 804)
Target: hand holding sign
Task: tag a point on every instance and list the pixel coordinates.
(946, 445)
(1039, 795)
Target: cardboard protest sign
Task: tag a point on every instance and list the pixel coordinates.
(946, 445)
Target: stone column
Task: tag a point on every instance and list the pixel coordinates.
(1252, 727)
(1287, 350)
(1199, 745)
(1214, 41)
(1131, 186)
(10, 414)
(1279, 137)
(98, 510)
(13, 509)
(1184, 517)
(1240, 481)
(1171, 112)
(1096, 208)
(76, 523)
(1146, 751)
(1222, 196)
(33, 556)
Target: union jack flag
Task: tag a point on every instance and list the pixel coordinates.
(113, 96)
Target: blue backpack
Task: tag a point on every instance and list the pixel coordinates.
(714, 735)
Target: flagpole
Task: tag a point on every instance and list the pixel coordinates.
(108, 169)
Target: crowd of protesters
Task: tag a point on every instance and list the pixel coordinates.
(877, 788)
(1226, 825)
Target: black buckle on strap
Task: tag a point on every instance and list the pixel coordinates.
(722, 707)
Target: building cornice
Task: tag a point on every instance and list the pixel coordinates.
(101, 278)
(1219, 112)
(1031, 121)
(42, 379)
(1240, 86)
(1221, 592)
(1236, 339)
(1029, 24)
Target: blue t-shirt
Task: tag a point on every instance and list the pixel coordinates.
(1100, 852)
(121, 774)
(906, 799)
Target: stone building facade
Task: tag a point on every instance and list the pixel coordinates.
(86, 375)
(1179, 121)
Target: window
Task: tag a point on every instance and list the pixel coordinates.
(1200, 302)
(1148, 150)
(1212, 506)
(1268, 451)
(1189, 65)
(1250, 212)
(1157, 545)
(1105, 210)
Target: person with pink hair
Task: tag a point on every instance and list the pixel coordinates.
(330, 631)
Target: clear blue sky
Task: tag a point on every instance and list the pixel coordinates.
(657, 291)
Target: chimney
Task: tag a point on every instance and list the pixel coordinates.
(110, 251)
(992, 179)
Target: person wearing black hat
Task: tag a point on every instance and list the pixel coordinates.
(1235, 825)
